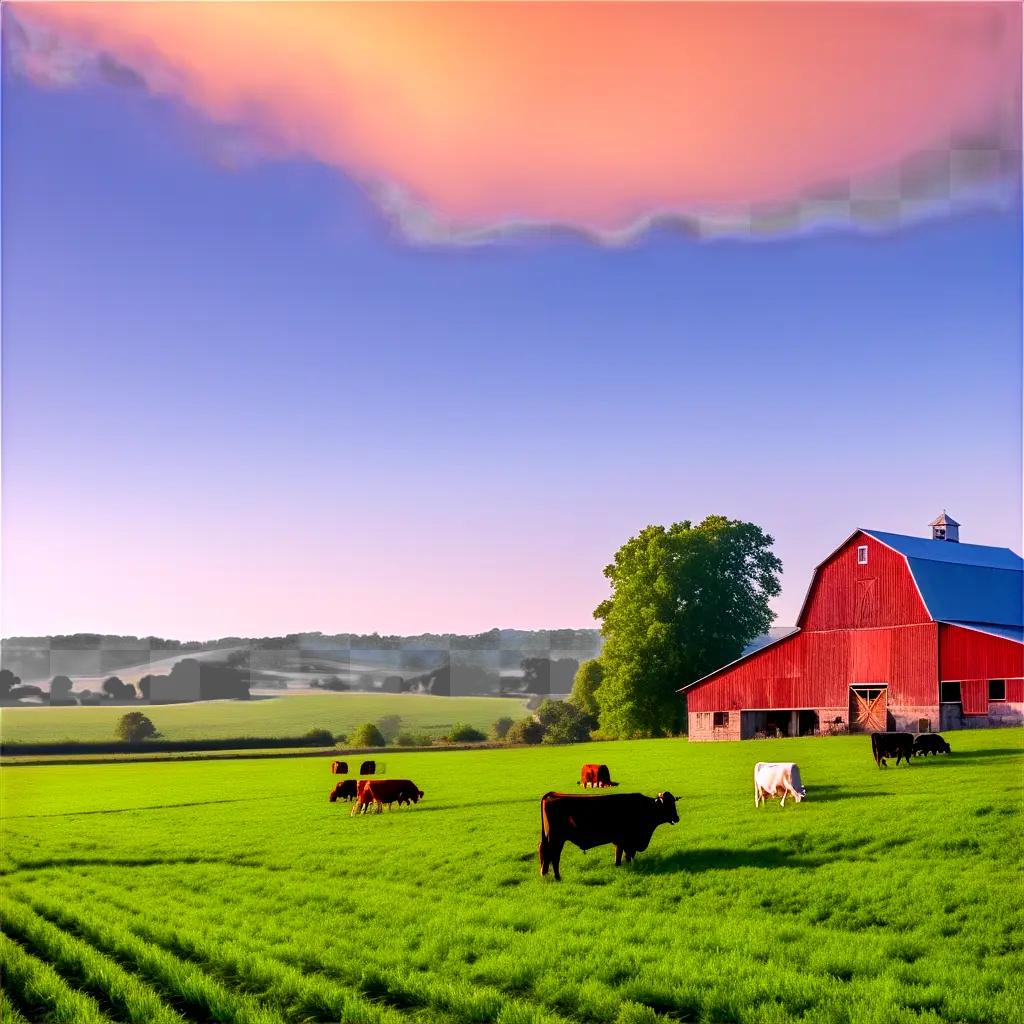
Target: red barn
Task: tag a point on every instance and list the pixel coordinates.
(896, 632)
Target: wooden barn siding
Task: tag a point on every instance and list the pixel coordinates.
(845, 595)
(816, 670)
(974, 696)
(968, 654)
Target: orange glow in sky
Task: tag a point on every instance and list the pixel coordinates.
(589, 115)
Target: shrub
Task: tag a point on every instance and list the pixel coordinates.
(413, 739)
(500, 728)
(526, 730)
(367, 735)
(135, 727)
(461, 732)
(319, 738)
(564, 722)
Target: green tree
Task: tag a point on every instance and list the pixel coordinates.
(461, 732)
(115, 689)
(60, 690)
(564, 722)
(499, 730)
(685, 600)
(8, 681)
(135, 727)
(584, 687)
(367, 735)
(319, 738)
(526, 730)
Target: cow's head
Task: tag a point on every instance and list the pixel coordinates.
(800, 794)
(667, 802)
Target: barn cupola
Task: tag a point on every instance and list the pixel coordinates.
(946, 528)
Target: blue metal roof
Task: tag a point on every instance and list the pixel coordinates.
(947, 551)
(963, 582)
(1015, 633)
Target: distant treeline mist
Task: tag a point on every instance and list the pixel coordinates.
(498, 661)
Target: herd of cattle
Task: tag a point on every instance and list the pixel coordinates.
(904, 745)
(626, 821)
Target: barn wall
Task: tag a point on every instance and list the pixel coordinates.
(816, 670)
(968, 654)
(845, 595)
(701, 727)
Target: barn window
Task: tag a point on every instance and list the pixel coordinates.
(997, 689)
(721, 719)
(949, 693)
(862, 554)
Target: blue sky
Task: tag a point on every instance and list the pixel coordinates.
(235, 401)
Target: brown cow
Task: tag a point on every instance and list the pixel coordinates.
(339, 767)
(627, 820)
(368, 768)
(595, 776)
(344, 791)
(386, 791)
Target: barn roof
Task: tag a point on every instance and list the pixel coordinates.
(1015, 633)
(963, 582)
(970, 585)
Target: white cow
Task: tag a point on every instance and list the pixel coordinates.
(772, 779)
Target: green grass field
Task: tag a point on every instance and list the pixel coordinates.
(233, 891)
(279, 716)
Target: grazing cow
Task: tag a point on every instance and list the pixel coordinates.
(339, 767)
(595, 776)
(891, 744)
(626, 820)
(926, 743)
(368, 768)
(344, 791)
(386, 791)
(777, 778)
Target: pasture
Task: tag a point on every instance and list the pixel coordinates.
(232, 891)
(276, 716)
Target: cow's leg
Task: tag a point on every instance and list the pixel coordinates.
(630, 854)
(618, 856)
(555, 856)
(757, 795)
(782, 802)
(542, 856)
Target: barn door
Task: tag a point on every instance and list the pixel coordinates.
(867, 709)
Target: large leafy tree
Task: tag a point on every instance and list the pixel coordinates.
(584, 687)
(684, 601)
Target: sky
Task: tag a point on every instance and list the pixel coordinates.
(403, 319)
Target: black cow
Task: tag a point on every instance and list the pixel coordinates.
(627, 820)
(930, 743)
(344, 791)
(891, 744)
(368, 768)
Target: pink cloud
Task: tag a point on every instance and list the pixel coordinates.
(465, 120)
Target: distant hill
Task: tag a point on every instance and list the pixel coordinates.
(486, 662)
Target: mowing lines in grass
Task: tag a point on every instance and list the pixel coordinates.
(306, 976)
(40, 992)
(113, 987)
(180, 982)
